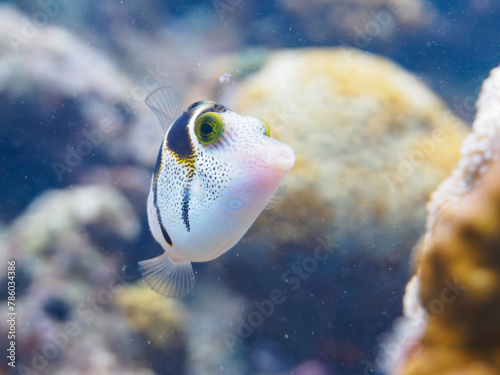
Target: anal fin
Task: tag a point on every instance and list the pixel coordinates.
(166, 277)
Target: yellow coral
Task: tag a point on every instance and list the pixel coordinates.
(458, 276)
(464, 335)
(157, 318)
(371, 142)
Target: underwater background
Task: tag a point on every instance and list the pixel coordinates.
(374, 96)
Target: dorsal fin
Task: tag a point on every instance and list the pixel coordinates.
(165, 104)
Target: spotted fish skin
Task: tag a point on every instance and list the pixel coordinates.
(204, 197)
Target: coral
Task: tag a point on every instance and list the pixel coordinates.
(392, 16)
(170, 325)
(58, 220)
(215, 315)
(371, 143)
(311, 367)
(160, 320)
(67, 247)
(67, 107)
(454, 296)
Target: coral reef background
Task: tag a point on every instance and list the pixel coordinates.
(374, 96)
(452, 302)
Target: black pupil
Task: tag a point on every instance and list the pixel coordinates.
(206, 128)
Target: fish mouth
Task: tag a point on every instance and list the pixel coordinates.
(283, 159)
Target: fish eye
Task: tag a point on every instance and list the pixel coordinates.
(267, 129)
(208, 127)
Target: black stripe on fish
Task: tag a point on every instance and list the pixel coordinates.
(158, 164)
(165, 234)
(186, 197)
(212, 107)
(215, 107)
(178, 140)
(185, 208)
(196, 104)
(158, 217)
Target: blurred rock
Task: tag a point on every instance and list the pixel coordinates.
(363, 21)
(454, 297)
(160, 320)
(68, 107)
(215, 315)
(371, 143)
(59, 219)
(68, 247)
(311, 367)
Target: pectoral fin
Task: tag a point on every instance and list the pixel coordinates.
(167, 277)
(278, 196)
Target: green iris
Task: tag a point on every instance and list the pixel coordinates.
(267, 129)
(208, 127)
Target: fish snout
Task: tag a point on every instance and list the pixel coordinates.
(280, 157)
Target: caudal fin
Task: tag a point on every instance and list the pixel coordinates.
(167, 277)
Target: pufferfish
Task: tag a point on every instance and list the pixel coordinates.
(215, 173)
